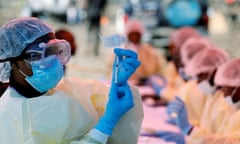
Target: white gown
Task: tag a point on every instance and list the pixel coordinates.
(60, 118)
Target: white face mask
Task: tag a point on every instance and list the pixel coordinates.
(206, 88)
(229, 100)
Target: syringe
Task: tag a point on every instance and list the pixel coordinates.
(116, 69)
(114, 41)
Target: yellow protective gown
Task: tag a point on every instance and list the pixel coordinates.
(57, 118)
(174, 82)
(194, 101)
(152, 62)
(219, 123)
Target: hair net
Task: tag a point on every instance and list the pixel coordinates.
(18, 33)
(206, 61)
(15, 35)
(5, 69)
(228, 74)
(192, 46)
(179, 36)
(134, 26)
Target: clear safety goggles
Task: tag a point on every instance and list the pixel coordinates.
(39, 52)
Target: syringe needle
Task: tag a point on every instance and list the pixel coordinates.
(116, 69)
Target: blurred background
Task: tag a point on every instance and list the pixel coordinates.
(220, 20)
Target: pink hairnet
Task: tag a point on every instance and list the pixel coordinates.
(134, 26)
(206, 61)
(192, 46)
(228, 74)
(179, 36)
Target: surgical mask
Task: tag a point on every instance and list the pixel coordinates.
(229, 100)
(206, 88)
(39, 51)
(45, 78)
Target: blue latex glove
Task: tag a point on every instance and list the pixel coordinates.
(120, 101)
(178, 138)
(178, 107)
(127, 65)
(171, 121)
(158, 87)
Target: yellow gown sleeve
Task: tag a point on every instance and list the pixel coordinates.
(210, 138)
(174, 82)
(194, 101)
(219, 123)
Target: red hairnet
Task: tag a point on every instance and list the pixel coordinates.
(192, 46)
(228, 74)
(179, 36)
(206, 61)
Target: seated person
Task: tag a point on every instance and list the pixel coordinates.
(151, 60)
(220, 120)
(190, 48)
(171, 70)
(193, 106)
(201, 68)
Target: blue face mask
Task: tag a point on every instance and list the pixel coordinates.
(45, 78)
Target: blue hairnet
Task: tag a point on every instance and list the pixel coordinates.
(15, 35)
(5, 69)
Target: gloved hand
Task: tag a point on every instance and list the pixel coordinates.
(178, 138)
(178, 107)
(158, 83)
(120, 101)
(127, 65)
(171, 121)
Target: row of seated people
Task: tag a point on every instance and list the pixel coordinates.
(199, 86)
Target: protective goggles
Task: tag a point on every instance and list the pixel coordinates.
(40, 51)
